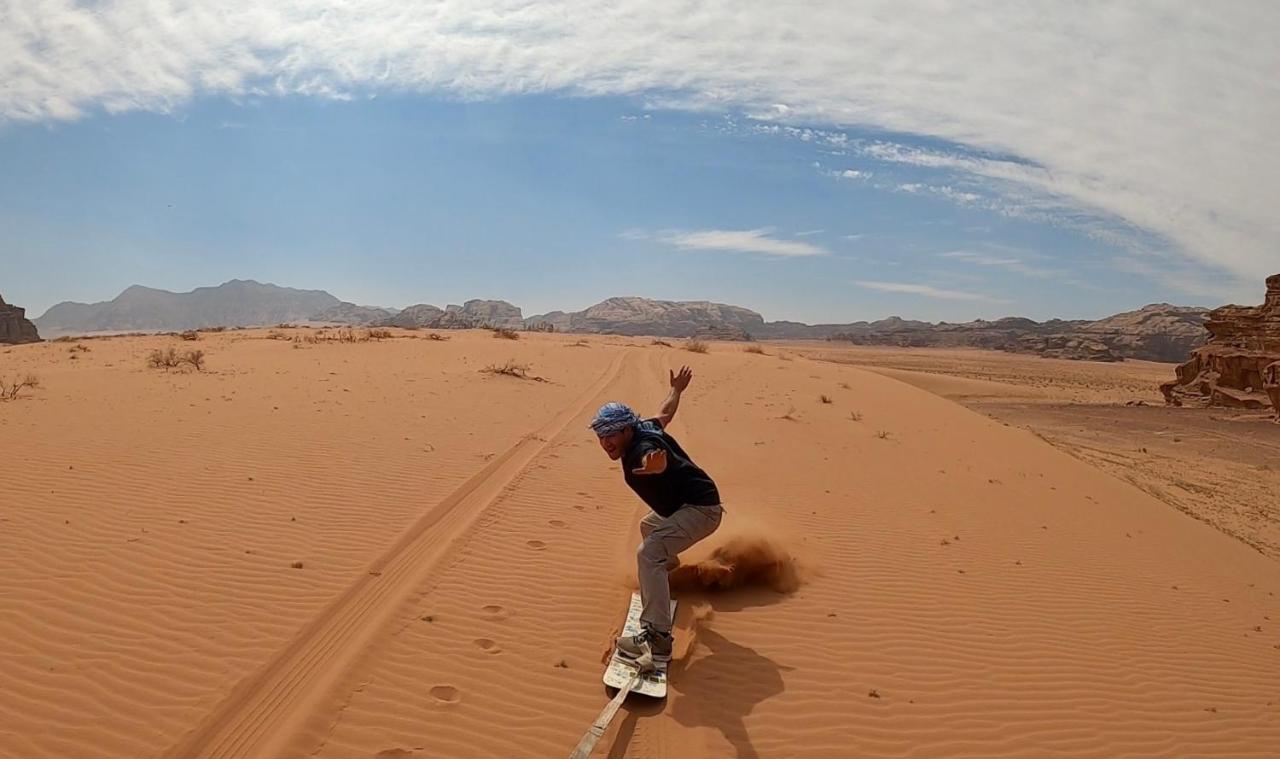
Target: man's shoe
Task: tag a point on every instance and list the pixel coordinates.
(652, 642)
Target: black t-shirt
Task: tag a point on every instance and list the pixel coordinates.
(682, 482)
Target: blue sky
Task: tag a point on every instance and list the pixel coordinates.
(564, 175)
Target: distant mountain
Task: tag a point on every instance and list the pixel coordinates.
(1158, 332)
(350, 313)
(235, 303)
(665, 318)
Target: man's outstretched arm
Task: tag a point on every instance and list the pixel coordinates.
(679, 381)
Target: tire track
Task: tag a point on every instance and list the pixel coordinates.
(264, 711)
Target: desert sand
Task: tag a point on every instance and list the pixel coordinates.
(376, 549)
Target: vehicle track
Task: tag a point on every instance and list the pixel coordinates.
(265, 710)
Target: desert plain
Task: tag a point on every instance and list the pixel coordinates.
(376, 548)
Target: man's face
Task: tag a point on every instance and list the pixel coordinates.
(615, 445)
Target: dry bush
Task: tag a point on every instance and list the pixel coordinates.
(277, 335)
(661, 342)
(78, 348)
(380, 334)
(164, 359)
(194, 359)
(883, 434)
(190, 334)
(512, 369)
(844, 385)
(351, 336)
(212, 329)
(696, 346)
(9, 390)
(855, 416)
(790, 416)
(824, 398)
(580, 344)
(506, 334)
(436, 336)
(756, 349)
(286, 325)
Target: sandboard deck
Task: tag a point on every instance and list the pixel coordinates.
(621, 670)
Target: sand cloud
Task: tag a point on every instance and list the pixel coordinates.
(1093, 105)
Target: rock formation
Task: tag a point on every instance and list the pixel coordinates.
(350, 313)
(14, 325)
(470, 315)
(1233, 367)
(662, 318)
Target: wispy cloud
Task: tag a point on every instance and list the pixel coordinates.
(927, 291)
(1003, 262)
(741, 241)
(1088, 106)
(810, 232)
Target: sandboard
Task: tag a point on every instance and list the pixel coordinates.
(622, 670)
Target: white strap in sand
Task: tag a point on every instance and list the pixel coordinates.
(601, 724)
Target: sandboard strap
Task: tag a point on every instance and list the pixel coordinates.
(597, 729)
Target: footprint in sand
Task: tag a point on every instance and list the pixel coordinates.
(489, 646)
(579, 507)
(446, 694)
(536, 545)
(494, 611)
(556, 523)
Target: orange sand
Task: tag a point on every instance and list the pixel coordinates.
(969, 590)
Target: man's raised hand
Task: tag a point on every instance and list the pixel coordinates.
(681, 381)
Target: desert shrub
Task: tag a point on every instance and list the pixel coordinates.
(696, 346)
(78, 348)
(756, 349)
(506, 334)
(9, 389)
(512, 369)
(212, 329)
(855, 416)
(190, 334)
(164, 359)
(883, 434)
(194, 359)
(380, 334)
(824, 398)
(436, 336)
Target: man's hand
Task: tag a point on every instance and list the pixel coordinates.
(680, 381)
(654, 462)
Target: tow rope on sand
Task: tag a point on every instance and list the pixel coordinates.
(598, 728)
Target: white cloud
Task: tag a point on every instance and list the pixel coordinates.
(1093, 105)
(810, 232)
(742, 241)
(927, 291)
(1003, 262)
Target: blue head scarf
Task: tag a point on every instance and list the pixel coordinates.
(613, 418)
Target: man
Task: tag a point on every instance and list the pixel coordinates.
(685, 502)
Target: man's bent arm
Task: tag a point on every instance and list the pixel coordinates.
(678, 383)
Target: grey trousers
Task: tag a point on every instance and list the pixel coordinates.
(663, 538)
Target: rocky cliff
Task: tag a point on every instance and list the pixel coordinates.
(1235, 366)
(14, 325)
(350, 313)
(470, 315)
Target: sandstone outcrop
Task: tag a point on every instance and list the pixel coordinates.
(662, 318)
(1237, 363)
(14, 325)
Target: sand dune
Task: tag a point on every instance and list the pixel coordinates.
(968, 590)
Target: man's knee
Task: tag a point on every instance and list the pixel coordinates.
(651, 553)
